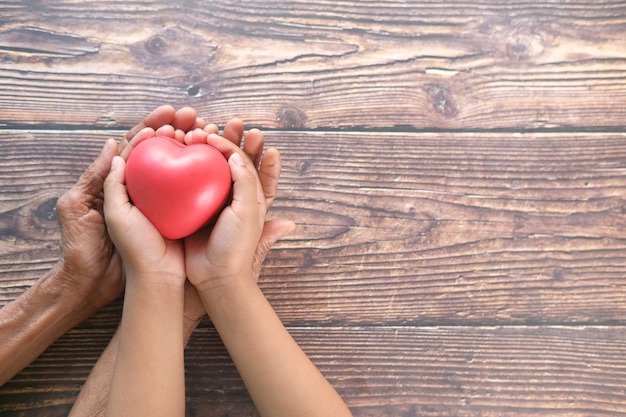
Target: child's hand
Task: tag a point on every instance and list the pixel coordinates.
(150, 347)
(269, 172)
(281, 379)
(226, 253)
(144, 251)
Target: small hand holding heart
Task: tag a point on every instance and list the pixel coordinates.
(178, 187)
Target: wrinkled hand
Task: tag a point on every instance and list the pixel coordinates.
(165, 121)
(90, 266)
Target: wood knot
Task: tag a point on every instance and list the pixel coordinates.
(36, 220)
(40, 219)
(558, 274)
(174, 48)
(156, 45)
(291, 117)
(193, 91)
(46, 211)
(522, 47)
(442, 100)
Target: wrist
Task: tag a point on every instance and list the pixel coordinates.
(54, 290)
(36, 319)
(83, 290)
(223, 294)
(157, 283)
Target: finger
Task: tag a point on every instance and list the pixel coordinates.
(89, 185)
(233, 131)
(196, 136)
(253, 145)
(273, 231)
(143, 134)
(184, 119)
(198, 124)
(167, 131)
(211, 128)
(247, 196)
(179, 135)
(238, 159)
(115, 196)
(226, 147)
(160, 116)
(98, 203)
(269, 173)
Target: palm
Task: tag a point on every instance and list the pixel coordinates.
(92, 264)
(97, 258)
(197, 246)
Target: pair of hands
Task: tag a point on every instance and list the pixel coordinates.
(91, 263)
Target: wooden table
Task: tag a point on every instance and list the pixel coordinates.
(457, 171)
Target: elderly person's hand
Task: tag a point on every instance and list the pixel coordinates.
(88, 275)
(90, 266)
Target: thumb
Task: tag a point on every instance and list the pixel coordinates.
(88, 189)
(90, 183)
(273, 231)
(115, 195)
(244, 180)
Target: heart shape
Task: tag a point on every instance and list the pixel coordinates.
(178, 187)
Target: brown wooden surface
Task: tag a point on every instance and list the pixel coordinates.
(457, 171)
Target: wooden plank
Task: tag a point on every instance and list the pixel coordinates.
(399, 371)
(396, 229)
(408, 245)
(453, 228)
(317, 65)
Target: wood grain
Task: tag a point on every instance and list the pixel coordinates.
(454, 228)
(382, 371)
(456, 170)
(395, 229)
(317, 65)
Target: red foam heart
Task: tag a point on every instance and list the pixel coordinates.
(178, 187)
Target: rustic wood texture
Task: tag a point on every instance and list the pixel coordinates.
(382, 371)
(457, 171)
(315, 65)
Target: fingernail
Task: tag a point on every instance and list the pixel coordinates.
(110, 148)
(106, 146)
(237, 160)
(115, 162)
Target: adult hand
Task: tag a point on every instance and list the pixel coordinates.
(90, 265)
(165, 121)
(87, 276)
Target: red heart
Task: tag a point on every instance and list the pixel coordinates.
(179, 188)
